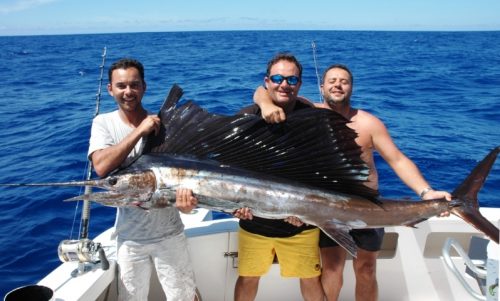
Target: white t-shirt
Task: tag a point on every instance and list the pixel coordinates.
(133, 224)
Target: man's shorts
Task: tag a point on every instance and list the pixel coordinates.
(173, 267)
(298, 255)
(366, 239)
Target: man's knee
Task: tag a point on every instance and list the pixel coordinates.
(310, 281)
(311, 289)
(365, 263)
(248, 281)
(332, 277)
(365, 269)
(246, 288)
(333, 272)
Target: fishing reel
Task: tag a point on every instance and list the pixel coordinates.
(83, 251)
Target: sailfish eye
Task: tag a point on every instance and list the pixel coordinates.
(112, 181)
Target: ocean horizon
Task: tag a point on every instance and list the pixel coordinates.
(255, 30)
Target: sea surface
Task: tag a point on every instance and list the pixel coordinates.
(437, 92)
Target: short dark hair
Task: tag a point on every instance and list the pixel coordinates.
(126, 63)
(340, 66)
(283, 56)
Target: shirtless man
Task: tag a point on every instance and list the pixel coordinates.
(336, 89)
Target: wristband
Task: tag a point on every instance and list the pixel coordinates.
(424, 192)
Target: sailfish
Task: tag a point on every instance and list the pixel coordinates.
(308, 166)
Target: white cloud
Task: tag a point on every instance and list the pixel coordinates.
(20, 5)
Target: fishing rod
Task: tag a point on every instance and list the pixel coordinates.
(84, 250)
(313, 45)
(85, 220)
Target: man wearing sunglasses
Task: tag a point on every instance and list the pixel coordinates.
(336, 89)
(294, 244)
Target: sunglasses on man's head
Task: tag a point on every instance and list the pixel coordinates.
(292, 80)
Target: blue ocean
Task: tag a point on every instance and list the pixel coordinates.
(437, 92)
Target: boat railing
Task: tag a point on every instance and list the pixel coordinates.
(480, 272)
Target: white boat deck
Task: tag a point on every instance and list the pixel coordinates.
(410, 266)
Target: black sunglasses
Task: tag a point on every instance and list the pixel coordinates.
(292, 80)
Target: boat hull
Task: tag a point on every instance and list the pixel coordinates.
(410, 265)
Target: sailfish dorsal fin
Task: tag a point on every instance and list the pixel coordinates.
(313, 146)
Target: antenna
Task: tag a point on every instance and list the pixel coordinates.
(313, 45)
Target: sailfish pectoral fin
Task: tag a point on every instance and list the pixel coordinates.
(341, 236)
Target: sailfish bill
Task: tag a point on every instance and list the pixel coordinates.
(308, 166)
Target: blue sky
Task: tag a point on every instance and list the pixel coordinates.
(32, 17)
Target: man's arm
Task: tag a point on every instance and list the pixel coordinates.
(406, 170)
(108, 159)
(270, 112)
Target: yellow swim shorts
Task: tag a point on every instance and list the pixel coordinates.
(298, 255)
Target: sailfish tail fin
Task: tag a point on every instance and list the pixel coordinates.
(466, 195)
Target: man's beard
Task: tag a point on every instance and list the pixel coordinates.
(332, 103)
